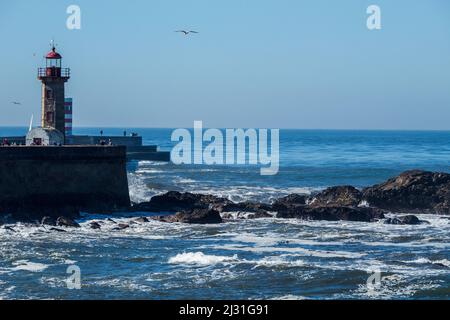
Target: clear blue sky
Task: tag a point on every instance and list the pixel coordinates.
(255, 63)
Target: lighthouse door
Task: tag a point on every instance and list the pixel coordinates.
(37, 141)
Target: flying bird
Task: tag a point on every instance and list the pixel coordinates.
(186, 32)
(16, 103)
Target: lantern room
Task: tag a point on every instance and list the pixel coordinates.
(53, 66)
(53, 59)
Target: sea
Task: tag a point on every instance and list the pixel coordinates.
(246, 259)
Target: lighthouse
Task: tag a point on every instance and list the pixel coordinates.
(53, 78)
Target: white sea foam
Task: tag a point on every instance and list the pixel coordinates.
(185, 180)
(26, 265)
(199, 258)
(235, 215)
(364, 204)
(443, 262)
(302, 251)
(138, 189)
(249, 193)
(148, 170)
(123, 283)
(277, 261)
(289, 297)
(394, 286)
(152, 163)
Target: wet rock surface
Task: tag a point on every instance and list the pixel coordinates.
(362, 214)
(121, 226)
(66, 222)
(142, 220)
(340, 196)
(95, 225)
(49, 221)
(408, 219)
(174, 201)
(412, 191)
(291, 201)
(195, 216)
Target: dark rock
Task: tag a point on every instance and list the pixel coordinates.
(195, 216)
(95, 225)
(290, 201)
(57, 229)
(175, 201)
(412, 191)
(39, 213)
(142, 220)
(121, 226)
(49, 221)
(9, 228)
(111, 220)
(363, 214)
(254, 207)
(409, 219)
(340, 196)
(66, 222)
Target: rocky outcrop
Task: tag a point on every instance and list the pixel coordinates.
(340, 196)
(66, 222)
(60, 222)
(408, 219)
(49, 221)
(95, 225)
(195, 216)
(44, 215)
(291, 201)
(412, 191)
(121, 226)
(362, 214)
(174, 201)
(198, 208)
(141, 220)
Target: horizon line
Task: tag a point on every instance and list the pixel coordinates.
(285, 128)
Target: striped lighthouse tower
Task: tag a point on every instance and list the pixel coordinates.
(68, 112)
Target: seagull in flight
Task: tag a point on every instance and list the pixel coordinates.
(16, 103)
(186, 32)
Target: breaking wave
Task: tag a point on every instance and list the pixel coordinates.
(200, 258)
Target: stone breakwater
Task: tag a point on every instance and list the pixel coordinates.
(62, 181)
(410, 192)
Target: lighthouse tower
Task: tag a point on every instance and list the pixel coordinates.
(53, 78)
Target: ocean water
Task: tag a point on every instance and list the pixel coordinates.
(296, 259)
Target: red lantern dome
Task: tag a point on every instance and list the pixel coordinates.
(53, 54)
